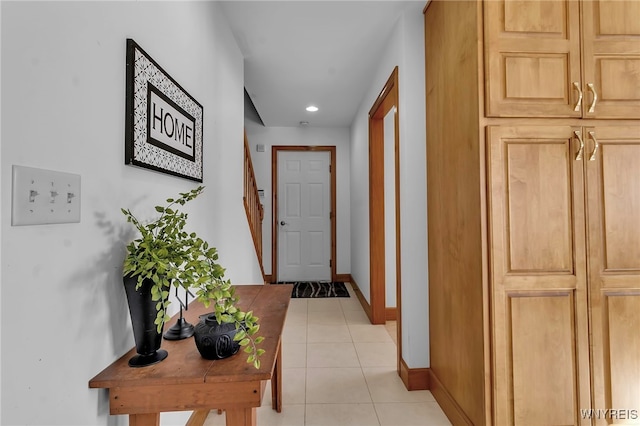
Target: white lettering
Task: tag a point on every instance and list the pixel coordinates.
(610, 414)
(169, 126)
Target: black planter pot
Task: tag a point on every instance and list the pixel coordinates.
(143, 314)
(215, 340)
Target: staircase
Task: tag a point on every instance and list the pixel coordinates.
(252, 205)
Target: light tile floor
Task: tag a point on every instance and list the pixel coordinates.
(340, 370)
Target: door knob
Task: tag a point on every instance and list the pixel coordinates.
(283, 223)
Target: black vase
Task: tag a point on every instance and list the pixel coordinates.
(143, 315)
(215, 340)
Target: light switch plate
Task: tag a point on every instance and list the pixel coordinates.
(44, 196)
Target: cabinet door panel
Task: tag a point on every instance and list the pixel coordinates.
(542, 17)
(532, 54)
(538, 272)
(543, 387)
(621, 315)
(621, 202)
(613, 199)
(538, 206)
(611, 58)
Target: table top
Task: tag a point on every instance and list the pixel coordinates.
(184, 363)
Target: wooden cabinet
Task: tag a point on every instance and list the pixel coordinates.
(563, 58)
(539, 277)
(534, 210)
(613, 206)
(558, 194)
(611, 58)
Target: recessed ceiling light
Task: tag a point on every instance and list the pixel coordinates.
(312, 108)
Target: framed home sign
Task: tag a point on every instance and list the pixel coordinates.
(163, 123)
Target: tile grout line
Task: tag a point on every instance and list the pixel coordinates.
(306, 361)
(361, 368)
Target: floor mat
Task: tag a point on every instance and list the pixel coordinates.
(312, 289)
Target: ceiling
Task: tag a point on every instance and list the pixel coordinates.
(301, 53)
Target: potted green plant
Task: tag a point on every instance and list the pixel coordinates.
(166, 256)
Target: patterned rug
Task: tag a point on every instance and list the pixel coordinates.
(307, 289)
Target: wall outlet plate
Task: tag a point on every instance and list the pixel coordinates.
(44, 196)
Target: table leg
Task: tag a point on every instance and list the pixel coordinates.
(198, 418)
(147, 419)
(241, 416)
(276, 382)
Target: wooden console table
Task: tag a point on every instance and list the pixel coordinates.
(185, 381)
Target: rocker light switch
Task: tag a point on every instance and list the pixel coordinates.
(44, 196)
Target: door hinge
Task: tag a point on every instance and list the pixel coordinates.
(329, 168)
(330, 263)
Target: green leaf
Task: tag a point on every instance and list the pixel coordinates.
(170, 257)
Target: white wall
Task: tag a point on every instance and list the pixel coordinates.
(405, 49)
(64, 313)
(1, 226)
(304, 136)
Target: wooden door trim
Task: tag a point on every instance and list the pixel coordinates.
(274, 202)
(386, 100)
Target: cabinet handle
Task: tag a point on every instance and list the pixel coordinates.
(595, 148)
(592, 108)
(579, 101)
(581, 150)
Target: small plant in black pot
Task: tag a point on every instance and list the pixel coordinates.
(221, 332)
(166, 256)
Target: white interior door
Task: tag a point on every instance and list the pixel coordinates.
(304, 224)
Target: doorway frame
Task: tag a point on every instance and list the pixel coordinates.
(386, 100)
(274, 202)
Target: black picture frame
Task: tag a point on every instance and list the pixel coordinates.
(163, 123)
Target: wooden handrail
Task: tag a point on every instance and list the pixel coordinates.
(252, 205)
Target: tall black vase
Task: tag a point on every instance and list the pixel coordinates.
(143, 315)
